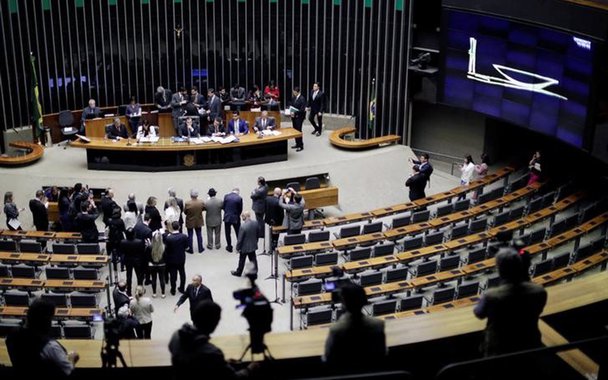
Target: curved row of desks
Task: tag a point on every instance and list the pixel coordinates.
(337, 139)
(310, 343)
(33, 153)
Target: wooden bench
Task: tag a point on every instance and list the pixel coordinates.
(85, 313)
(337, 139)
(24, 258)
(34, 153)
(21, 283)
(76, 285)
(87, 260)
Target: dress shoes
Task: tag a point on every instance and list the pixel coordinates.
(189, 251)
(294, 147)
(314, 133)
(172, 291)
(299, 149)
(202, 250)
(235, 273)
(181, 290)
(229, 249)
(318, 134)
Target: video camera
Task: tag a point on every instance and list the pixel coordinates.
(112, 329)
(335, 283)
(258, 312)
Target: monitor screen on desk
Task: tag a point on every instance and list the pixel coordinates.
(90, 116)
(529, 75)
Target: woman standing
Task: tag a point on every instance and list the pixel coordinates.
(156, 263)
(155, 219)
(172, 212)
(535, 168)
(142, 309)
(466, 168)
(11, 211)
(481, 170)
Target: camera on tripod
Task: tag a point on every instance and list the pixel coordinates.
(259, 315)
(335, 283)
(112, 329)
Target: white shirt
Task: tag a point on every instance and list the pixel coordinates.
(467, 173)
(140, 132)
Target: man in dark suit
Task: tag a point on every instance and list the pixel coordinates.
(316, 104)
(247, 244)
(214, 105)
(133, 254)
(237, 93)
(233, 206)
(416, 182)
(175, 257)
(39, 211)
(258, 199)
(107, 205)
(117, 130)
(274, 214)
(425, 166)
(178, 101)
(89, 112)
(216, 129)
(141, 229)
(189, 128)
(237, 125)
(162, 98)
(195, 292)
(298, 113)
(264, 122)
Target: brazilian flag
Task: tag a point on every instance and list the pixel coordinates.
(36, 106)
(372, 104)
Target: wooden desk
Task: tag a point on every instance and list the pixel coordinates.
(97, 127)
(89, 260)
(395, 209)
(467, 240)
(290, 250)
(411, 229)
(21, 283)
(416, 254)
(250, 116)
(308, 225)
(68, 236)
(348, 218)
(435, 198)
(595, 222)
(165, 155)
(420, 282)
(336, 139)
(554, 276)
(26, 258)
(19, 234)
(322, 197)
(75, 285)
(375, 262)
(341, 244)
(305, 273)
(34, 153)
(60, 312)
(591, 261)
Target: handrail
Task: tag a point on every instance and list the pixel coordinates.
(489, 364)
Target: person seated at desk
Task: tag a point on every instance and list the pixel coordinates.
(117, 130)
(223, 94)
(237, 126)
(162, 98)
(216, 129)
(89, 112)
(255, 95)
(133, 112)
(272, 93)
(189, 129)
(264, 122)
(237, 93)
(145, 130)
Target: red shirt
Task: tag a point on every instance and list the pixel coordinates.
(272, 92)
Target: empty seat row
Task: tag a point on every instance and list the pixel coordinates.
(58, 330)
(330, 258)
(52, 273)
(363, 253)
(313, 237)
(25, 246)
(310, 184)
(490, 195)
(81, 248)
(76, 299)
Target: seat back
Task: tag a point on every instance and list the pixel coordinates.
(318, 317)
(8, 245)
(57, 273)
(433, 238)
(318, 236)
(65, 118)
(16, 298)
(66, 249)
(459, 229)
(492, 281)
(535, 205)
(88, 248)
(312, 183)
(359, 254)
(384, 249)
(301, 262)
(396, 274)
(312, 286)
(517, 212)
(548, 199)
(501, 218)
(7, 327)
(467, 290)
(371, 228)
(349, 231)
(478, 225)
(59, 300)
(384, 307)
(561, 260)
(412, 243)
(542, 267)
(370, 279)
(518, 183)
(443, 295)
(425, 268)
(30, 246)
(85, 274)
(411, 303)
(330, 258)
(449, 262)
(537, 236)
(81, 331)
(4, 272)
(23, 271)
(293, 185)
(462, 205)
(444, 210)
(421, 216)
(294, 239)
(485, 197)
(401, 221)
(476, 255)
(83, 300)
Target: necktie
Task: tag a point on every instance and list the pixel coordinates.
(314, 96)
(196, 293)
(263, 123)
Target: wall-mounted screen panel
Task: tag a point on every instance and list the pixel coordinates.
(532, 76)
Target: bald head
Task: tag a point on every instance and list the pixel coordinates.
(277, 192)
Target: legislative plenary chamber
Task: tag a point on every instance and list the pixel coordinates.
(304, 189)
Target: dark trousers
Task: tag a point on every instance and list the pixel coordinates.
(199, 238)
(139, 273)
(297, 125)
(259, 217)
(173, 270)
(252, 258)
(237, 227)
(317, 127)
(144, 331)
(158, 272)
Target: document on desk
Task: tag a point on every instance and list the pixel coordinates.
(196, 140)
(229, 139)
(267, 132)
(148, 139)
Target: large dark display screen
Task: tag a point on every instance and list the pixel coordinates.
(532, 76)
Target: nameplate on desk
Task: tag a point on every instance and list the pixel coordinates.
(72, 257)
(15, 255)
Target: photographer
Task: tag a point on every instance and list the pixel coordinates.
(192, 353)
(85, 221)
(295, 210)
(33, 352)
